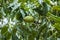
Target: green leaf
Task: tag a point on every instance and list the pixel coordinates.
(14, 30)
(8, 35)
(22, 1)
(14, 37)
(1, 15)
(19, 16)
(34, 33)
(57, 8)
(4, 30)
(32, 0)
(47, 1)
(31, 37)
(57, 26)
(53, 17)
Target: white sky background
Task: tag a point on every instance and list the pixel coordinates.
(5, 21)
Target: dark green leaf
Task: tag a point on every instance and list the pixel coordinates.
(4, 30)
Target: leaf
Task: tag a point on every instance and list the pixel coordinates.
(45, 8)
(22, 12)
(22, 1)
(47, 1)
(14, 37)
(42, 10)
(31, 37)
(57, 8)
(1, 15)
(34, 33)
(14, 30)
(19, 16)
(4, 30)
(53, 17)
(24, 29)
(57, 26)
(8, 35)
(32, 0)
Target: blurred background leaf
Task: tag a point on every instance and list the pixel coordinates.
(45, 26)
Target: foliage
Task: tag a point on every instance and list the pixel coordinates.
(29, 19)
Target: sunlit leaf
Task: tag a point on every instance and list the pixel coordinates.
(57, 26)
